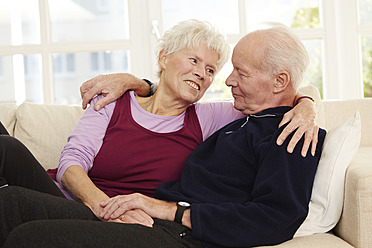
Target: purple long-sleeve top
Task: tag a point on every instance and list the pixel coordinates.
(86, 140)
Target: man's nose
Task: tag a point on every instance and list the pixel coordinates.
(230, 82)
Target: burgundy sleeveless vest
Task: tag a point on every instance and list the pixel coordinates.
(135, 159)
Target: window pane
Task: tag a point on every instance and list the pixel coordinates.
(71, 70)
(293, 13)
(365, 11)
(222, 13)
(19, 22)
(367, 65)
(314, 73)
(79, 20)
(20, 78)
(33, 81)
(6, 80)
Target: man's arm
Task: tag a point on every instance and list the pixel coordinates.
(112, 86)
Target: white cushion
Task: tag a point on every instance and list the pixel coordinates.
(325, 207)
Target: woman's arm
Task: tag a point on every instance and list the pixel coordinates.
(78, 155)
(76, 180)
(112, 86)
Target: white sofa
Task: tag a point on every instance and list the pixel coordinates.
(44, 130)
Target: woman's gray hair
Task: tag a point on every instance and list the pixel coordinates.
(189, 34)
(283, 50)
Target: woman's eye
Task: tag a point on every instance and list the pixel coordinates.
(210, 71)
(193, 60)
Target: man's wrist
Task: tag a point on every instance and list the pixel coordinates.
(181, 208)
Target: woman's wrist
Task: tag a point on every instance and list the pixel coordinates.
(298, 99)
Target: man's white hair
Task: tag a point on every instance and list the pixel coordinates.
(282, 50)
(189, 34)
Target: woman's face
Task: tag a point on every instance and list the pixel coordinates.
(188, 73)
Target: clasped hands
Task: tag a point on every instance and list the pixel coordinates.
(135, 209)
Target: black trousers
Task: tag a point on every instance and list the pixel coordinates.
(35, 213)
(19, 167)
(30, 218)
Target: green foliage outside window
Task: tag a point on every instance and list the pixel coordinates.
(367, 65)
(309, 18)
(306, 18)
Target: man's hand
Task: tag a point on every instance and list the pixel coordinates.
(136, 216)
(301, 117)
(112, 86)
(118, 206)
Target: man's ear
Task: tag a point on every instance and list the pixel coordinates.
(162, 60)
(282, 80)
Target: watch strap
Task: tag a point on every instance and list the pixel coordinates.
(179, 214)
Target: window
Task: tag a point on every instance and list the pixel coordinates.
(48, 48)
(302, 15)
(64, 65)
(19, 22)
(71, 70)
(33, 87)
(1, 69)
(365, 20)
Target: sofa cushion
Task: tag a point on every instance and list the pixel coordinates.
(7, 116)
(337, 110)
(340, 145)
(356, 219)
(324, 240)
(44, 129)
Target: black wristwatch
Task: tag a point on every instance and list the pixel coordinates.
(152, 87)
(181, 207)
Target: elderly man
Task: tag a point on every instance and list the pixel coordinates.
(238, 188)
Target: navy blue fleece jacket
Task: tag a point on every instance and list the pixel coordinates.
(245, 190)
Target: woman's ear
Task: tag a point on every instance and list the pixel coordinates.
(282, 80)
(162, 60)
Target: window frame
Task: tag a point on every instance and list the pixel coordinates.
(342, 64)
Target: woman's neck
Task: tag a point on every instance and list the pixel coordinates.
(162, 104)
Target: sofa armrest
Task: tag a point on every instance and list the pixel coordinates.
(355, 225)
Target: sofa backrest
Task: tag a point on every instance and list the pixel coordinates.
(44, 129)
(337, 111)
(8, 116)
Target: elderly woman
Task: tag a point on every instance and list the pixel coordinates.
(137, 143)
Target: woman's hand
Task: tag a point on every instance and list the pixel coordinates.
(301, 121)
(112, 86)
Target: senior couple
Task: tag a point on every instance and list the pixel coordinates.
(215, 183)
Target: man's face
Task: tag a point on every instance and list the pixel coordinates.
(251, 87)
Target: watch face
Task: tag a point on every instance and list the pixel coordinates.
(184, 204)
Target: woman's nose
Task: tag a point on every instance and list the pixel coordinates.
(199, 73)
